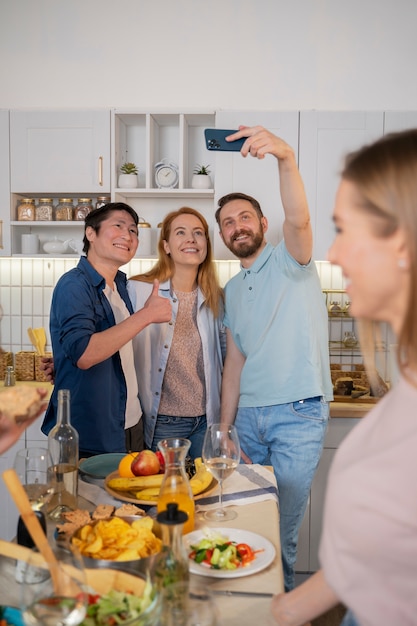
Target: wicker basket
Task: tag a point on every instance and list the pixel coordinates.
(24, 365)
(40, 374)
(6, 358)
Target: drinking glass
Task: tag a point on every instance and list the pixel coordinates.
(34, 469)
(63, 603)
(221, 455)
(188, 604)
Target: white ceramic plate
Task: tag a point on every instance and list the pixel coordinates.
(255, 541)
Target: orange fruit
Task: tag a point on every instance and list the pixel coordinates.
(125, 464)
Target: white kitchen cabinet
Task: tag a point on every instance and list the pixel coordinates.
(257, 178)
(146, 138)
(5, 246)
(60, 152)
(395, 121)
(56, 154)
(325, 139)
(310, 532)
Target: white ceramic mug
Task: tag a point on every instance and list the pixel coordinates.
(30, 244)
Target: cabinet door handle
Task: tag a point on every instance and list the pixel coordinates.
(100, 171)
(1, 234)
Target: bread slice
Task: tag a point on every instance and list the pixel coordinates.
(103, 511)
(20, 403)
(126, 510)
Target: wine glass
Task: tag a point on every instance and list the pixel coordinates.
(34, 468)
(54, 594)
(221, 455)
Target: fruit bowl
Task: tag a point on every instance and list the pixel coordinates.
(202, 484)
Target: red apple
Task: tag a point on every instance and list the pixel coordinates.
(161, 461)
(145, 464)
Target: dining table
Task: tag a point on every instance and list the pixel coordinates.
(242, 600)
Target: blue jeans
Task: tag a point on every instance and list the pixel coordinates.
(192, 428)
(289, 437)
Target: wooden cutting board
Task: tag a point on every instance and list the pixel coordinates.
(361, 400)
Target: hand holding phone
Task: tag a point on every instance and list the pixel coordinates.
(215, 140)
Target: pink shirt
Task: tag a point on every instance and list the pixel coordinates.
(368, 549)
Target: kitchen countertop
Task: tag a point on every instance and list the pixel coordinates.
(350, 409)
(337, 409)
(33, 383)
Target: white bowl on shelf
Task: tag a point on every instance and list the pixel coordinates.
(55, 246)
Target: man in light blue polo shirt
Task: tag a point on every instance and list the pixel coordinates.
(276, 379)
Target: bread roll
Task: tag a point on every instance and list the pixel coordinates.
(20, 403)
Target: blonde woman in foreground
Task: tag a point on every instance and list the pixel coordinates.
(368, 551)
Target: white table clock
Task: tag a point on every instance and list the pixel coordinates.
(166, 174)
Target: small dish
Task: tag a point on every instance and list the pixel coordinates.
(101, 465)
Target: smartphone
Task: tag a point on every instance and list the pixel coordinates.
(215, 140)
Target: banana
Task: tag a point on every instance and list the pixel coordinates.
(147, 494)
(136, 483)
(201, 479)
(147, 487)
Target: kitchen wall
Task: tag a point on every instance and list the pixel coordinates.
(26, 287)
(230, 54)
(189, 54)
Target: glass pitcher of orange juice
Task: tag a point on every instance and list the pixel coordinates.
(175, 485)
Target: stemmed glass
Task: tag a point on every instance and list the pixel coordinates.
(34, 468)
(54, 594)
(221, 455)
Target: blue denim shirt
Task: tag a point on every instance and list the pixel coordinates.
(98, 395)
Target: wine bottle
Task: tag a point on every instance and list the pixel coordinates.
(63, 446)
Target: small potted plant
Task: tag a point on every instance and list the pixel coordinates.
(201, 177)
(128, 176)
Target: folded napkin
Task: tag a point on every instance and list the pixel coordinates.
(247, 484)
(96, 494)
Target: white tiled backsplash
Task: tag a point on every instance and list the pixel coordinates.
(26, 286)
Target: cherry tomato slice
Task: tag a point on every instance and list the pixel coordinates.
(245, 552)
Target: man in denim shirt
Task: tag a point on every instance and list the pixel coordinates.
(92, 325)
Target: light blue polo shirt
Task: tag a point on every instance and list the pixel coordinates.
(276, 313)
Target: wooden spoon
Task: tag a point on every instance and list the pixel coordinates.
(33, 339)
(32, 523)
(40, 335)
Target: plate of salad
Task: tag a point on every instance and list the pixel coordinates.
(227, 552)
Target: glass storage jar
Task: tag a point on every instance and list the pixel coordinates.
(102, 200)
(64, 209)
(44, 210)
(26, 210)
(82, 209)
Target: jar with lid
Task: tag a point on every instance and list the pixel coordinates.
(44, 210)
(145, 238)
(82, 209)
(26, 210)
(349, 339)
(64, 210)
(102, 200)
(335, 309)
